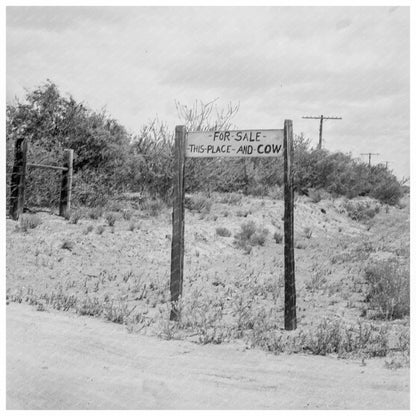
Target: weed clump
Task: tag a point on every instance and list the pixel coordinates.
(315, 196)
(127, 214)
(231, 198)
(88, 229)
(307, 232)
(67, 245)
(100, 229)
(152, 206)
(361, 211)
(111, 219)
(278, 237)
(198, 203)
(95, 213)
(388, 289)
(29, 222)
(223, 232)
(250, 235)
(75, 217)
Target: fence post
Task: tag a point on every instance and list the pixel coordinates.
(290, 287)
(17, 182)
(178, 221)
(66, 184)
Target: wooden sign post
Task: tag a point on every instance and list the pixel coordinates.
(290, 288)
(232, 143)
(178, 221)
(17, 183)
(66, 184)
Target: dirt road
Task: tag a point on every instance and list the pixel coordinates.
(63, 361)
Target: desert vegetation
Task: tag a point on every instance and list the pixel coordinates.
(110, 161)
(110, 258)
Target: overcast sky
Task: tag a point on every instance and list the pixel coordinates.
(277, 62)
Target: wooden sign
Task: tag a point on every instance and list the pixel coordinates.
(235, 143)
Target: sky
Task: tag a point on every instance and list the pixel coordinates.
(277, 62)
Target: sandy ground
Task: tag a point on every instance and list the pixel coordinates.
(59, 360)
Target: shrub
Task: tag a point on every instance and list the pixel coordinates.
(250, 236)
(276, 192)
(259, 237)
(75, 217)
(88, 229)
(243, 213)
(100, 229)
(29, 221)
(388, 289)
(152, 206)
(111, 218)
(95, 213)
(223, 232)
(315, 196)
(198, 203)
(231, 198)
(67, 245)
(110, 161)
(307, 232)
(361, 210)
(127, 214)
(316, 282)
(278, 237)
(247, 231)
(257, 189)
(300, 246)
(387, 191)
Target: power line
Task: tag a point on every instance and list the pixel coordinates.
(321, 118)
(369, 156)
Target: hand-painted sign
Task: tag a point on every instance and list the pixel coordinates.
(235, 143)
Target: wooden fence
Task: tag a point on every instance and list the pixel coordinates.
(18, 175)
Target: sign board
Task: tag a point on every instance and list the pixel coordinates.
(235, 143)
(232, 143)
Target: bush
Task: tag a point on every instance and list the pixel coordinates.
(29, 221)
(127, 214)
(361, 210)
(250, 236)
(111, 219)
(109, 161)
(231, 198)
(152, 206)
(100, 229)
(198, 203)
(259, 237)
(278, 237)
(315, 196)
(75, 217)
(388, 289)
(67, 245)
(307, 232)
(223, 232)
(88, 229)
(95, 213)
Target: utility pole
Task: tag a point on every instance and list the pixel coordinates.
(322, 118)
(387, 163)
(369, 156)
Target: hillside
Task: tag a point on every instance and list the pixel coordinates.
(233, 289)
